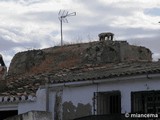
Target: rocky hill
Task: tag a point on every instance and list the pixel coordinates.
(58, 58)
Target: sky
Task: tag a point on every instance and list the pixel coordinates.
(34, 24)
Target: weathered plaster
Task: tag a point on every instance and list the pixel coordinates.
(70, 102)
(71, 111)
(58, 106)
(39, 104)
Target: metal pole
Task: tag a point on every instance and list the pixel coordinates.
(61, 32)
(62, 18)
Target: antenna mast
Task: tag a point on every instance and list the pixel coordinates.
(62, 18)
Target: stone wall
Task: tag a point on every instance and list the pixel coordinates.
(134, 53)
(32, 115)
(23, 61)
(116, 51)
(55, 58)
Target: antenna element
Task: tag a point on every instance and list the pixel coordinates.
(62, 16)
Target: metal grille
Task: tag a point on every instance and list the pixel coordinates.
(146, 102)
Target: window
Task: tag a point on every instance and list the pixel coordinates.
(108, 102)
(145, 102)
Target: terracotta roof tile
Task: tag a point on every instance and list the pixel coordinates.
(29, 84)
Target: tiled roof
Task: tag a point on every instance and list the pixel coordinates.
(90, 72)
(10, 99)
(28, 85)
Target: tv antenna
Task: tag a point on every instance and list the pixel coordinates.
(62, 15)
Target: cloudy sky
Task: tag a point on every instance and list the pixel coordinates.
(34, 24)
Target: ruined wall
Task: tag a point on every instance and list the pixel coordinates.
(32, 115)
(22, 62)
(40, 61)
(134, 53)
(101, 52)
(116, 51)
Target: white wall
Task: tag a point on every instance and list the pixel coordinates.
(39, 104)
(84, 94)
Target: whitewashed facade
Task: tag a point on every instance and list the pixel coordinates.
(79, 95)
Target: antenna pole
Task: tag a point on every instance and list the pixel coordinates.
(62, 18)
(61, 32)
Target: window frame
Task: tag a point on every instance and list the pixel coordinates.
(108, 102)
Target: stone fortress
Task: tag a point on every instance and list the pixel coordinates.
(104, 51)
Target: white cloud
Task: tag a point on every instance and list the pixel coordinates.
(156, 56)
(27, 24)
